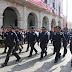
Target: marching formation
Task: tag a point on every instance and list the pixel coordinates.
(13, 39)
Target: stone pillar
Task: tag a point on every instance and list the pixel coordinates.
(56, 19)
(1, 20)
(49, 27)
(40, 20)
(20, 23)
(50, 19)
(62, 23)
(23, 20)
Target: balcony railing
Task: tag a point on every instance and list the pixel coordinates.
(43, 5)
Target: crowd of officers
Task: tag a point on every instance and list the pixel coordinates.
(14, 38)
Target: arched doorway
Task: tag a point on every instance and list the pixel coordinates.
(32, 20)
(45, 22)
(9, 17)
(53, 23)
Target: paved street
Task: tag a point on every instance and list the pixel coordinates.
(33, 64)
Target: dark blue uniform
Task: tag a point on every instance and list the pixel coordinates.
(71, 45)
(27, 34)
(66, 35)
(32, 37)
(54, 43)
(19, 34)
(11, 37)
(43, 43)
(51, 33)
(71, 42)
(57, 40)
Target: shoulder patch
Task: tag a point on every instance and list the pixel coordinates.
(61, 33)
(11, 33)
(7, 33)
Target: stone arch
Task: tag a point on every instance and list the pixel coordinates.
(14, 21)
(45, 22)
(53, 23)
(32, 20)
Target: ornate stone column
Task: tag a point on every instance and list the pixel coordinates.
(23, 20)
(1, 20)
(40, 20)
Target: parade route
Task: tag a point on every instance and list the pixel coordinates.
(33, 64)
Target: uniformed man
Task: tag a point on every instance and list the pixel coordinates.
(54, 41)
(57, 40)
(28, 42)
(71, 45)
(32, 39)
(43, 42)
(19, 37)
(66, 35)
(11, 37)
(51, 33)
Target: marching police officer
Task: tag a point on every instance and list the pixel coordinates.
(71, 45)
(43, 42)
(19, 37)
(28, 42)
(67, 36)
(51, 33)
(57, 40)
(32, 39)
(54, 41)
(10, 38)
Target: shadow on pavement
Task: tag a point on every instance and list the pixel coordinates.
(66, 68)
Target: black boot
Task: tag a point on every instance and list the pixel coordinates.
(53, 53)
(4, 52)
(45, 53)
(18, 59)
(59, 55)
(55, 61)
(41, 58)
(3, 65)
(63, 55)
(30, 56)
(20, 50)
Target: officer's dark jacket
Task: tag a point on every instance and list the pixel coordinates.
(43, 36)
(57, 37)
(11, 37)
(19, 35)
(70, 38)
(32, 37)
(51, 33)
(27, 34)
(66, 35)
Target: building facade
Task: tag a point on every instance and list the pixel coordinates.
(26, 13)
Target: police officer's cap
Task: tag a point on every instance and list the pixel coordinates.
(58, 27)
(43, 28)
(16, 28)
(9, 26)
(65, 28)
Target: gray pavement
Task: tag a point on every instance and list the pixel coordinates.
(33, 64)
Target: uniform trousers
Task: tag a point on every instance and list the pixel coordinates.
(13, 51)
